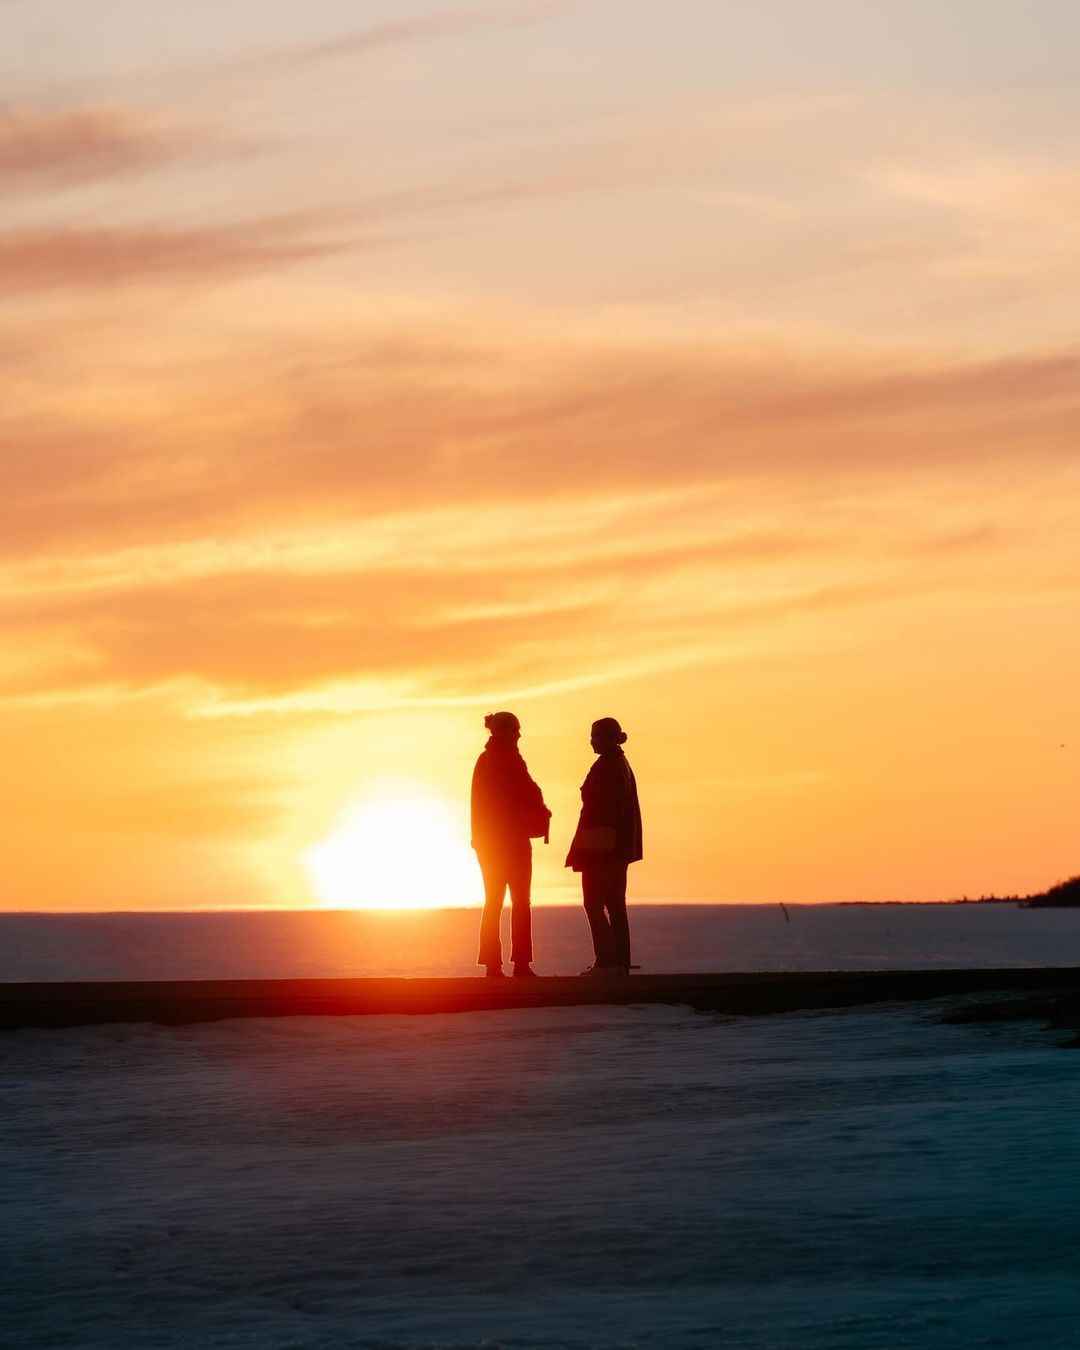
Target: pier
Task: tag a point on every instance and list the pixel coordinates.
(175, 1002)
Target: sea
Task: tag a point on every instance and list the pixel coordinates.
(224, 944)
(596, 1178)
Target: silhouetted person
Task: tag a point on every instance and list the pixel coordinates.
(607, 840)
(508, 811)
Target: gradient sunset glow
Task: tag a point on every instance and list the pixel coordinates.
(369, 367)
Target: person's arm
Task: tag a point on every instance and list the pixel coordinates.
(480, 801)
(531, 803)
(601, 795)
(532, 799)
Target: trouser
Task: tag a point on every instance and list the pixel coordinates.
(508, 867)
(603, 889)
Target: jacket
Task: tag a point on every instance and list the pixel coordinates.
(609, 797)
(507, 806)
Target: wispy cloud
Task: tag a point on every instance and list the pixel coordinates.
(422, 611)
(43, 145)
(261, 72)
(147, 450)
(426, 27)
(33, 260)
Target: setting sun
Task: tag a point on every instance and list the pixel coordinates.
(399, 849)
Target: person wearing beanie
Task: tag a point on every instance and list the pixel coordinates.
(607, 840)
(508, 812)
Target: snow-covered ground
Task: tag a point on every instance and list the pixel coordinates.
(593, 1177)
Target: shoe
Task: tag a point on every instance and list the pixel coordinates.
(599, 970)
(523, 970)
(496, 973)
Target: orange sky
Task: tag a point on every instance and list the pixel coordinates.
(365, 368)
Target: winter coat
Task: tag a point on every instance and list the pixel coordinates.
(507, 806)
(609, 797)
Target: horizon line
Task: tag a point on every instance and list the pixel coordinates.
(471, 909)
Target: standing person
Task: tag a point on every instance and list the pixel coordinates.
(607, 840)
(508, 811)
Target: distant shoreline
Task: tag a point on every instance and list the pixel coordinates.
(389, 913)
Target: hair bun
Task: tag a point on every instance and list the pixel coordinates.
(622, 737)
(489, 721)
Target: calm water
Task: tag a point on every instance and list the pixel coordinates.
(666, 938)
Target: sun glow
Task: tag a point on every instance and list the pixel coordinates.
(400, 849)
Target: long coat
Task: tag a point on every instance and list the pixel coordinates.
(507, 806)
(609, 797)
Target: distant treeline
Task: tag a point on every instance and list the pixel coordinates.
(1063, 895)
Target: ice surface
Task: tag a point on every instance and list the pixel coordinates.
(667, 938)
(588, 1177)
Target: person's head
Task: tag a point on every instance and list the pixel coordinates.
(606, 735)
(504, 726)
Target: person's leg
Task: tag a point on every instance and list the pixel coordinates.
(521, 951)
(594, 891)
(490, 953)
(616, 908)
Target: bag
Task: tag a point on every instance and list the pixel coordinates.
(596, 839)
(540, 823)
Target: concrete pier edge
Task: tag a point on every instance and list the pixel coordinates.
(45, 1004)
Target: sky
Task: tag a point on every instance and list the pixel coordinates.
(369, 367)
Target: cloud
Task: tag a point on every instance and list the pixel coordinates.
(425, 27)
(58, 259)
(267, 70)
(144, 449)
(345, 521)
(50, 146)
(274, 631)
(500, 613)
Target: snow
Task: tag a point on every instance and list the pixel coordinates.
(598, 1177)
